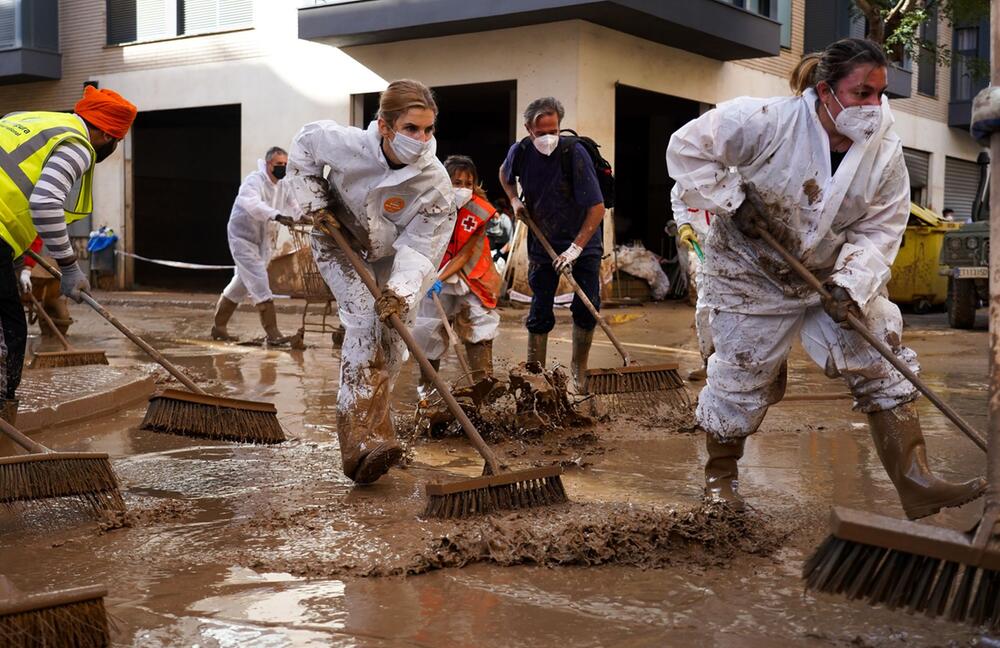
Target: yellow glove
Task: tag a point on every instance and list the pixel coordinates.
(687, 236)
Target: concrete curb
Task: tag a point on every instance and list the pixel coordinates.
(87, 407)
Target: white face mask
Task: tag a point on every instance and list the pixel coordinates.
(546, 144)
(462, 196)
(407, 149)
(857, 123)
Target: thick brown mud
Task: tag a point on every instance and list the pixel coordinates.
(233, 545)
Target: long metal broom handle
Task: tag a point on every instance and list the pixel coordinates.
(142, 344)
(879, 346)
(48, 320)
(321, 220)
(455, 342)
(579, 293)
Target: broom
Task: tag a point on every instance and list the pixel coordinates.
(72, 617)
(68, 357)
(638, 387)
(45, 474)
(494, 491)
(195, 413)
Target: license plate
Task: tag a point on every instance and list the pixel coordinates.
(972, 273)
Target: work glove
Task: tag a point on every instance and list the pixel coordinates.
(388, 304)
(73, 281)
(435, 289)
(839, 305)
(687, 236)
(520, 211)
(287, 221)
(564, 262)
(752, 212)
(24, 281)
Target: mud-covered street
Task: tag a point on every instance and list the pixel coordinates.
(237, 545)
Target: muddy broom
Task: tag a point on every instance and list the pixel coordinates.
(74, 618)
(68, 357)
(634, 386)
(903, 564)
(45, 474)
(495, 490)
(194, 413)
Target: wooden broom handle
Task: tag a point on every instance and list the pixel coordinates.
(40, 310)
(139, 342)
(21, 439)
(579, 293)
(862, 330)
(321, 220)
(455, 342)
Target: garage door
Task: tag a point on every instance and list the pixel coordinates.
(917, 165)
(961, 179)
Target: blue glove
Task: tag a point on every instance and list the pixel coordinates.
(436, 288)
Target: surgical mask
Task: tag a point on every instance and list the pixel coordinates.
(407, 149)
(278, 171)
(546, 144)
(104, 150)
(857, 123)
(462, 196)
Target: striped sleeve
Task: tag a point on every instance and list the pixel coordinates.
(63, 169)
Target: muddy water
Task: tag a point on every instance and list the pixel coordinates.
(239, 546)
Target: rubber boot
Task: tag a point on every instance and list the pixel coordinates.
(480, 356)
(426, 386)
(698, 375)
(368, 445)
(536, 347)
(900, 445)
(269, 320)
(224, 310)
(722, 472)
(582, 339)
(8, 412)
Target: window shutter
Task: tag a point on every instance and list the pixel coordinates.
(961, 181)
(137, 20)
(211, 15)
(917, 165)
(8, 24)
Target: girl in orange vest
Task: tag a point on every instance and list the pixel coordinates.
(468, 283)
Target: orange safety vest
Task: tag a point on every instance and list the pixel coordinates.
(479, 273)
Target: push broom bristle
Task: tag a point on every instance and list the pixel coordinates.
(86, 477)
(73, 618)
(212, 418)
(638, 389)
(485, 495)
(67, 359)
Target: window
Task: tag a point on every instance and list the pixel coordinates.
(785, 18)
(966, 46)
(139, 20)
(927, 60)
(767, 8)
(8, 24)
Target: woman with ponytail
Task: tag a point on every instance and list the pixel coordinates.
(831, 171)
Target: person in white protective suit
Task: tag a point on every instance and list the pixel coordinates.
(249, 244)
(401, 212)
(468, 284)
(831, 171)
(692, 229)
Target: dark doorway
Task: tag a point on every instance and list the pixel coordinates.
(644, 122)
(476, 119)
(186, 173)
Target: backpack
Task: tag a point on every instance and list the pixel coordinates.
(605, 176)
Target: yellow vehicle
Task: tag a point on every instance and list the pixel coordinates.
(916, 277)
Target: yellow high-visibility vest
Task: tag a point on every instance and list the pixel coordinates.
(27, 139)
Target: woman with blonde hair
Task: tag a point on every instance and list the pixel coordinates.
(401, 212)
(831, 170)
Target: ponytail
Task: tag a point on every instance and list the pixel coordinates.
(801, 78)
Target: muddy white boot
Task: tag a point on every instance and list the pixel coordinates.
(536, 347)
(697, 375)
(582, 339)
(480, 356)
(426, 386)
(269, 321)
(368, 445)
(900, 445)
(223, 312)
(722, 472)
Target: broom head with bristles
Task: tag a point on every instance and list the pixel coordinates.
(640, 386)
(72, 618)
(906, 565)
(212, 417)
(84, 476)
(73, 358)
(492, 493)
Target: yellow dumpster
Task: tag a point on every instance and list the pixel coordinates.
(915, 277)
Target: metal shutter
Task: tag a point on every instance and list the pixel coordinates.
(137, 20)
(8, 24)
(961, 180)
(211, 15)
(917, 165)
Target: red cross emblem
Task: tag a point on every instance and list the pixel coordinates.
(469, 223)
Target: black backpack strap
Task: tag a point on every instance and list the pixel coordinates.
(517, 164)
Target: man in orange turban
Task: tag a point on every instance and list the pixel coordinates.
(46, 178)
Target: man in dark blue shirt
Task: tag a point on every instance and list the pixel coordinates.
(563, 197)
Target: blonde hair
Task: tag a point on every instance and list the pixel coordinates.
(834, 63)
(402, 95)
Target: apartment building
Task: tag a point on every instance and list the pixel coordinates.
(219, 81)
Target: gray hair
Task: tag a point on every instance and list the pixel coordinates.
(541, 107)
(274, 150)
